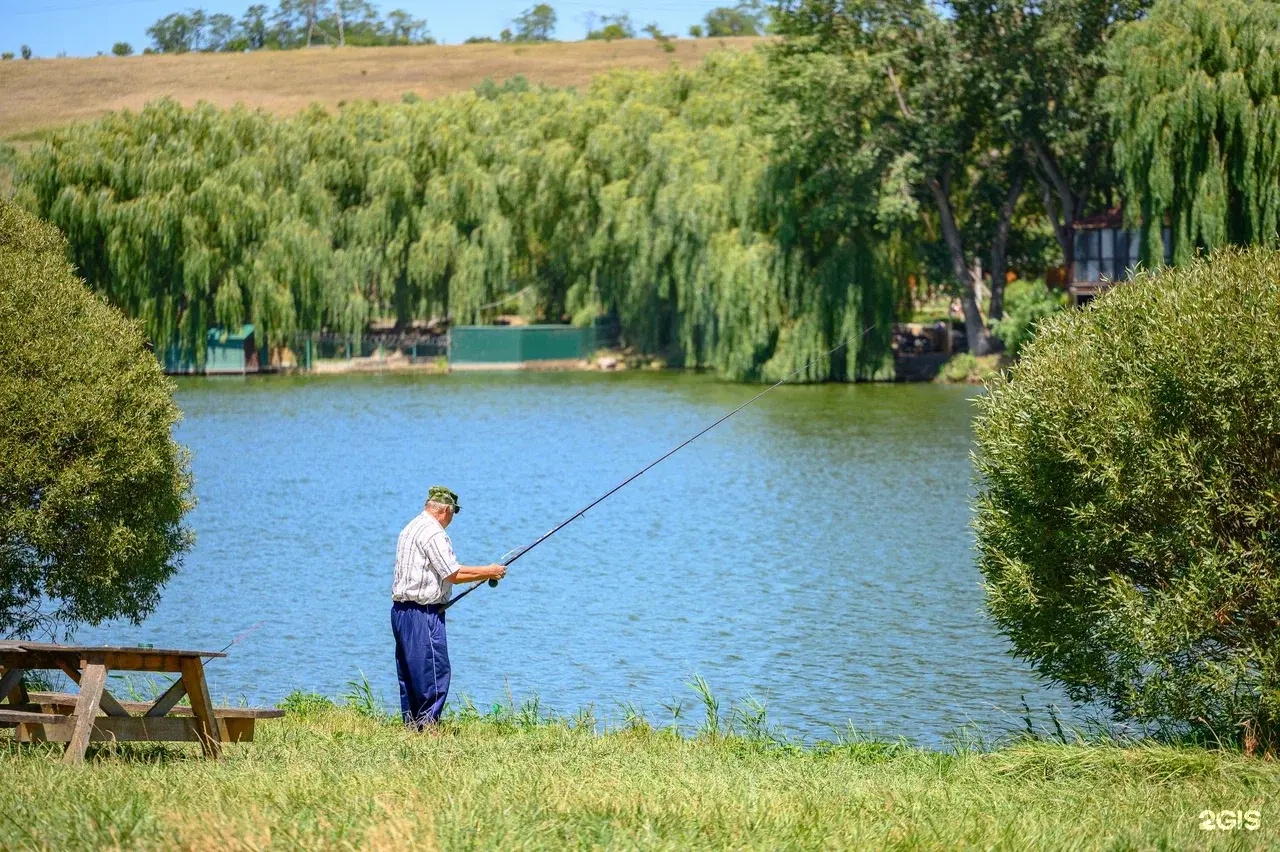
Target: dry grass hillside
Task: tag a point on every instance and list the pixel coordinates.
(41, 94)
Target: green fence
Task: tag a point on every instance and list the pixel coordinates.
(518, 344)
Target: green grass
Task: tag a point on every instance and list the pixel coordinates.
(348, 776)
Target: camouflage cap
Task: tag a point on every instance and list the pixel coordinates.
(442, 495)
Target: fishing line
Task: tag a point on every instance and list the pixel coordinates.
(235, 641)
(516, 554)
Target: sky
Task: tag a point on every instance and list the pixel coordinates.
(85, 27)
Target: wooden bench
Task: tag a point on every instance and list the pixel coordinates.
(235, 724)
(10, 718)
(79, 718)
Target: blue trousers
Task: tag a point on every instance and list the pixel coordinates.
(422, 661)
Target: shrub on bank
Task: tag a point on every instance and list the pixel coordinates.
(1026, 305)
(1129, 518)
(967, 368)
(92, 487)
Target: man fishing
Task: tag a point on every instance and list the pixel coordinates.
(426, 569)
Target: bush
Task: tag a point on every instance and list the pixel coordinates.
(959, 368)
(1129, 520)
(306, 704)
(967, 368)
(1026, 303)
(92, 488)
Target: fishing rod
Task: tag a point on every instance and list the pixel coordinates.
(516, 554)
(235, 641)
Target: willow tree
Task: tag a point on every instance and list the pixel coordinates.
(1194, 97)
(643, 195)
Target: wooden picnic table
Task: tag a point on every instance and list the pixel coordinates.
(74, 719)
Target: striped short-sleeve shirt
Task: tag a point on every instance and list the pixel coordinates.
(424, 558)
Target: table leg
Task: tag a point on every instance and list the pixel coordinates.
(201, 707)
(11, 687)
(109, 705)
(93, 677)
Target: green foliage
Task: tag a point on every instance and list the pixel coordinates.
(26, 51)
(613, 28)
(728, 21)
(1194, 95)
(649, 195)
(1026, 304)
(306, 704)
(361, 699)
(294, 24)
(959, 368)
(663, 39)
(967, 368)
(537, 23)
(1129, 520)
(178, 32)
(904, 125)
(92, 488)
(122, 48)
(6, 56)
(1037, 66)
(518, 84)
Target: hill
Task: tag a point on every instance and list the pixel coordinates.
(38, 95)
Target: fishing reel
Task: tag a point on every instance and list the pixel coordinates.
(507, 559)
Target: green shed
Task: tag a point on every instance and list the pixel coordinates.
(499, 347)
(225, 352)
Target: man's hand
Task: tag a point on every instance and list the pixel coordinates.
(474, 573)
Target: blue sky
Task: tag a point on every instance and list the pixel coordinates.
(84, 27)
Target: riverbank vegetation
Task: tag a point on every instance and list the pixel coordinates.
(745, 216)
(92, 487)
(1128, 527)
(328, 777)
(641, 196)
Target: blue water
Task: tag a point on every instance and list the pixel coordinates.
(812, 552)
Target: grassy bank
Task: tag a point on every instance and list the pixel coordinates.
(334, 778)
(49, 93)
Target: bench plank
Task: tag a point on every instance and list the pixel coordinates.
(66, 701)
(25, 717)
(134, 729)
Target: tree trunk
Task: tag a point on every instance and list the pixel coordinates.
(311, 20)
(1064, 209)
(975, 328)
(1000, 247)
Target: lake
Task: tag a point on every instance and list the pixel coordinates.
(814, 551)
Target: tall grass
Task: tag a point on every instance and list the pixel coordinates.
(515, 776)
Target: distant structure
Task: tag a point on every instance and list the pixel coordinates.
(1105, 253)
(226, 353)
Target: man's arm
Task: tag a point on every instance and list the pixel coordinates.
(472, 573)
